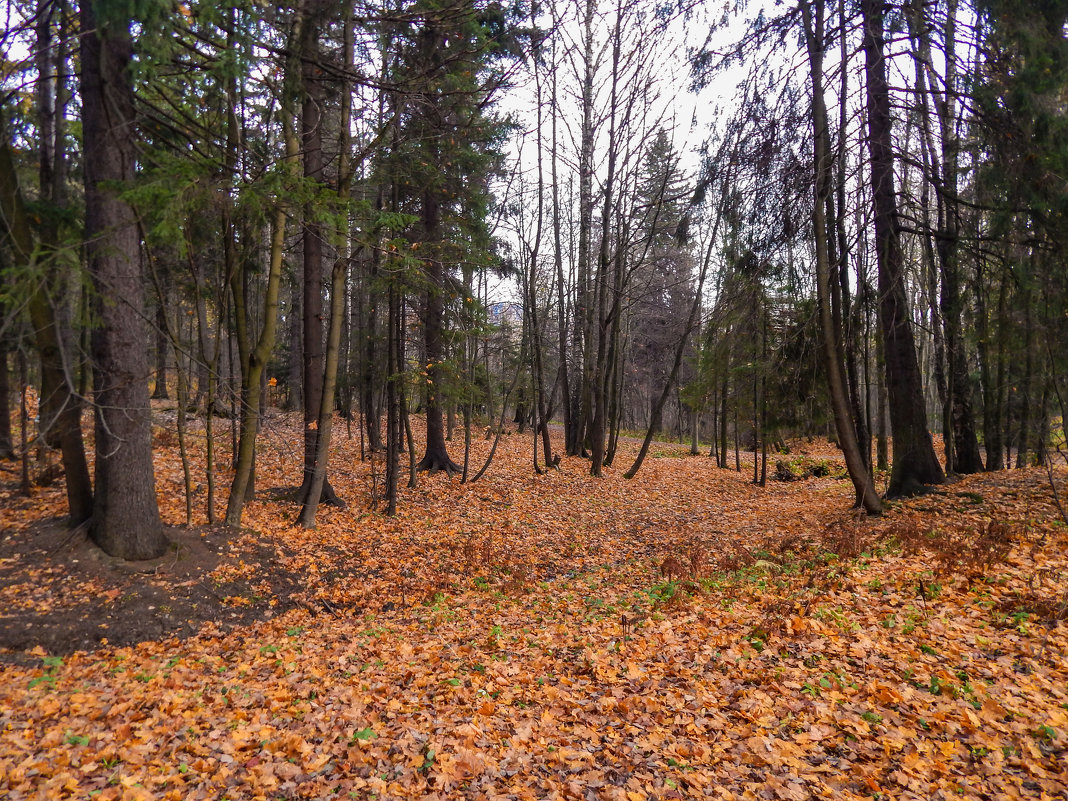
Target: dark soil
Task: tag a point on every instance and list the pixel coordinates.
(62, 593)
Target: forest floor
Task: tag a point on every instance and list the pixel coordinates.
(684, 634)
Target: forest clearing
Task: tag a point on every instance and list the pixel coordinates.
(685, 634)
(339, 347)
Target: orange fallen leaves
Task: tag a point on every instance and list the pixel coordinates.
(475, 646)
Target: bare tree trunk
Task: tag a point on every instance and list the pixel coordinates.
(393, 393)
(126, 519)
(7, 449)
(24, 425)
(60, 411)
(691, 323)
(866, 495)
(721, 457)
(961, 441)
(257, 363)
(367, 373)
(915, 463)
(60, 408)
(295, 377)
(851, 309)
(312, 242)
(159, 391)
(991, 430)
(570, 436)
(586, 305)
(338, 278)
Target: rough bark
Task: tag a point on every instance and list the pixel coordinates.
(914, 462)
(339, 274)
(312, 244)
(125, 520)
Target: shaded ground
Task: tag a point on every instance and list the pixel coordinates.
(59, 591)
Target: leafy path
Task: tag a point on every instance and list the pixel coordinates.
(681, 635)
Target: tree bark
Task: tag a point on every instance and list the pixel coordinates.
(338, 278)
(312, 244)
(7, 449)
(60, 408)
(436, 456)
(914, 462)
(959, 432)
(866, 496)
(159, 392)
(125, 520)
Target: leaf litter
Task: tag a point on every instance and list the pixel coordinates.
(684, 634)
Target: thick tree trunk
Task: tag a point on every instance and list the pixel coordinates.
(914, 463)
(312, 242)
(125, 519)
(338, 279)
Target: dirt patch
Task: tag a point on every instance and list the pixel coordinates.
(62, 593)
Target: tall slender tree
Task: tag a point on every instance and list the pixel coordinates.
(914, 460)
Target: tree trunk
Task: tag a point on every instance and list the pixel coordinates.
(436, 456)
(393, 391)
(257, 363)
(312, 244)
(914, 463)
(991, 357)
(60, 409)
(367, 372)
(125, 519)
(160, 392)
(7, 445)
(295, 377)
(859, 473)
(691, 322)
(339, 274)
(961, 441)
(570, 436)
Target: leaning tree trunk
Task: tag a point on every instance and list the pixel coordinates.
(915, 463)
(125, 519)
(859, 473)
(60, 412)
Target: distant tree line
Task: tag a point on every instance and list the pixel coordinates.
(216, 203)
